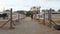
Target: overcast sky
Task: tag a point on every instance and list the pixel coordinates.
(27, 4)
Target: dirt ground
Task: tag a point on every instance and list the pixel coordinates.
(29, 26)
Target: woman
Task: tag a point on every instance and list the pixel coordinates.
(31, 16)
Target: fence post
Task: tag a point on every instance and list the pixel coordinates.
(11, 26)
(44, 18)
(49, 17)
(18, 17)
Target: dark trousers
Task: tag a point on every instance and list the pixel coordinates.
(31, 16)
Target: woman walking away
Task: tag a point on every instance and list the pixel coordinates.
(31, 16)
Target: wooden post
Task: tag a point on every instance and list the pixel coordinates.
(44, 19)
(11, 26)
(18, 17)
(39, 15)
(49, 17)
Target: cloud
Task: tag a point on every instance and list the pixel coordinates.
(21, 0)
(27, 4)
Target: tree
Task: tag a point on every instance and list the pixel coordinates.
(35, 9)
(6, 10)
(59, 10)
(52, 10)
(29, 13)
(20, 11)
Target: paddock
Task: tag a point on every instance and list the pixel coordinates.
(27, 26)
(13, 19)
(49, 19)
